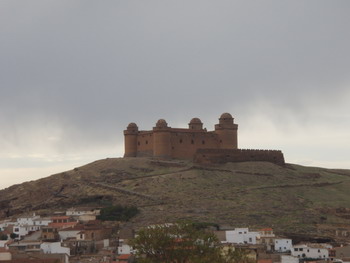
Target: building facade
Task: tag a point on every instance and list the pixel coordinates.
(315, 251)
(242, 236)
(283, 244)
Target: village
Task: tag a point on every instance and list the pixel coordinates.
(77, 236)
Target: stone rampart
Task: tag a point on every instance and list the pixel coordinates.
(211, 156)
(194, 143)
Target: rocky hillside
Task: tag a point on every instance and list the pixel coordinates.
(290, 198)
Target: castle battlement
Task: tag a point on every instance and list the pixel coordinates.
(194, 143)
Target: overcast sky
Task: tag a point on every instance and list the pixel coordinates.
(75, 73)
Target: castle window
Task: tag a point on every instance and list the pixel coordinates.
(146, 142)
(203, 142)
(138, 143)
(192, 141)
(220, 141)
(180, 140)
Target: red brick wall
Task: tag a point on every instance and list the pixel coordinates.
(238, 155)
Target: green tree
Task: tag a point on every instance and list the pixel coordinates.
(118, 213)
(13, 235)
(176, 243)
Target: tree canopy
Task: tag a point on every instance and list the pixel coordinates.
(181, 243)
(118, 213)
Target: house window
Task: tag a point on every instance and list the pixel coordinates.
(300, 249)
(192, 141)
(180, 140)
(16, 229)
(146, 142)
(295, 249)
(319, 251)
(250, 239)
(203, 142)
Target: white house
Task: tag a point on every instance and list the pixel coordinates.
(310, 251)
(124, 248)
(26, 224)
(27, 220)
(23, 230)
(283, 244)
(69, 233)
(54, 248)
(42, 221)
(241, 236)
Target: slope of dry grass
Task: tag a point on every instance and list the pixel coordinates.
(292, 198)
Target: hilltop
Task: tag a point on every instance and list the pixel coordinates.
(291, 198)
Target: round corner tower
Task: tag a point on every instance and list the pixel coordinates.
(161, 140)
(130, 140)
(195, 124)
(227, 132)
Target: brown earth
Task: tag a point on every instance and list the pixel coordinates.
(292, 199)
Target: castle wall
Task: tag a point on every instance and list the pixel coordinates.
(194, 143)
(184, 144)
(145, 144)
(210, 156)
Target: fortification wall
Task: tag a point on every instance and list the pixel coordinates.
(185, 144)
(194, 143)
(144, 144)
(211, 156)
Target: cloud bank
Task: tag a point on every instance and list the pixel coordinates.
(75, 73)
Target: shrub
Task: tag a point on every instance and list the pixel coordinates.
(118, 213)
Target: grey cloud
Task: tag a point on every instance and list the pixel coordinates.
(91, 67)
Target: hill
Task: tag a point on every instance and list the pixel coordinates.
(292, 199)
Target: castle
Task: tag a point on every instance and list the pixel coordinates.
(194, 143)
